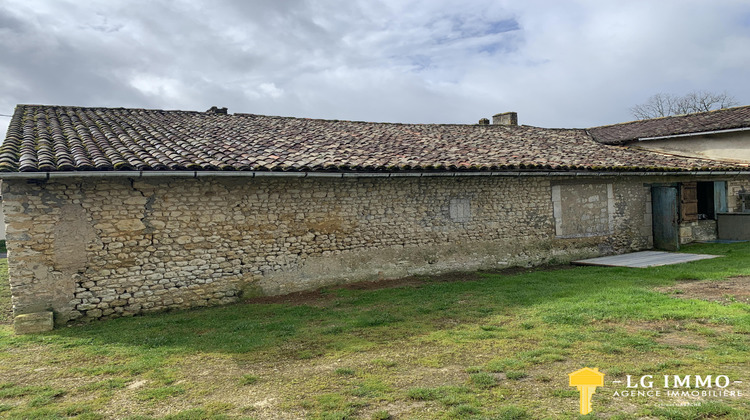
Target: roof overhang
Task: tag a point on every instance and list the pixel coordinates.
(702, 133)
(269, 174)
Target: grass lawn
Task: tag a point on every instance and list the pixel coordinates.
(482, 346)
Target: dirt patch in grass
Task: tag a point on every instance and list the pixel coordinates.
(522, 270)
(659, 326)
(725, 292)
(328, 293)
(297, 298)
(320, 296)
(678, 334)
(682, 339)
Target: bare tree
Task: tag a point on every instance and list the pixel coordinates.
(665, 104)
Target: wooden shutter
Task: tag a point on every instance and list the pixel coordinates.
(688, 201)
(720, 197)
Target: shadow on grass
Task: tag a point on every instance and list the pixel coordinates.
(362, 317)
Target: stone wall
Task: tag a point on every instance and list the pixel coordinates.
(97, 248)
(698, 230)
(734, 186)
(583, 209)
(707, 230)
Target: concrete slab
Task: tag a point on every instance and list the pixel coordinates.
(644, 259)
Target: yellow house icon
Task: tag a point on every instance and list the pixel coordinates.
(586, 380)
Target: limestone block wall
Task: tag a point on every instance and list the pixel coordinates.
(734, 186)
(698, 230)
(583, 209)
(96, 248)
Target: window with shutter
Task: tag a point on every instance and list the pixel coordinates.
(688, 202)
(702, 200)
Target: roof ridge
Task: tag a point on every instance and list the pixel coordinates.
(248, 114)
(107, 108)
(280, 117)
(667, 117)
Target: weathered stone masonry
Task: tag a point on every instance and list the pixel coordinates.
(94, 248)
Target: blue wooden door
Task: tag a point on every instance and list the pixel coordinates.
(664, 218)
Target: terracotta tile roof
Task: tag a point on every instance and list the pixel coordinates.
(57, 138)
(723, 119)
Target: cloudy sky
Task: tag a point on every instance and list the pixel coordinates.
(557, 63)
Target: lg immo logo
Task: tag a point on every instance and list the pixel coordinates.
(679, 386)
(586, 380)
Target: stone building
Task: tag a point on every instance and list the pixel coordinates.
(115, 212)
(723, 134)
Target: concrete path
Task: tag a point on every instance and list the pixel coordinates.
(644, 259)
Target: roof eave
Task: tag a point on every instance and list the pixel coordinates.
(271, 174)
(693, 134)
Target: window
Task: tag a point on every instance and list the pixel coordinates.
(702, 200)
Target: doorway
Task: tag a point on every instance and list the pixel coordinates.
(665, 218)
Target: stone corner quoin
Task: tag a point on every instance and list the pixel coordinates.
(36, 322)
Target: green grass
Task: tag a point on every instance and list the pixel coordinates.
(447, 395)
(515, 375)
(160, 393)
(381, 415)
(345, 371)
(703, 411)
(6, 314)
(498, 347)
(248, 379)
(483, 380)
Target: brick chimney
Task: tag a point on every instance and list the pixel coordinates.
(506, 118)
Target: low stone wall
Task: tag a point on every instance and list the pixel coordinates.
(97, 248)
(707, 230)
(699, 230)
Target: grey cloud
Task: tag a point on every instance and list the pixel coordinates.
(578, 64)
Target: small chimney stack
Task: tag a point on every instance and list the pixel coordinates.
(506, 118)
(484, 121)
(217, 110)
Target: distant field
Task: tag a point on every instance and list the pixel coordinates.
(474, 346)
